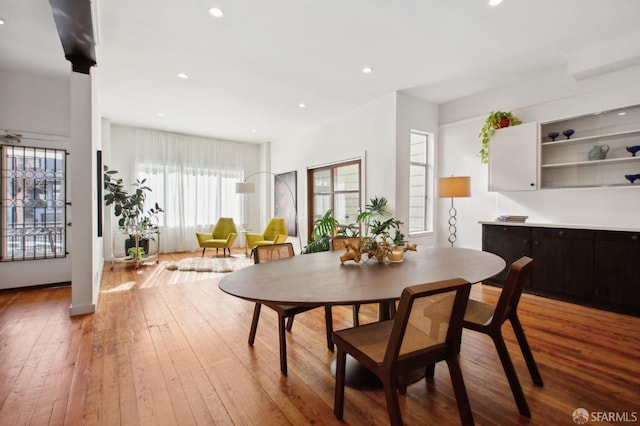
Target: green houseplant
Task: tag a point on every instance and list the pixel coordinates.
(495, 120)
(323, 230)
(377, 237)
(129, 208)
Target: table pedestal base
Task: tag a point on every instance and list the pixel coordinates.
(358, 376)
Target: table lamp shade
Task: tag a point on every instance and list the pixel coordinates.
(454, 187)
(245, 188)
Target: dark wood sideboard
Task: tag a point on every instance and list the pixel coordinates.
(592, 267)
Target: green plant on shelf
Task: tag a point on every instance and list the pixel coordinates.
(495, 120)
(137, 253)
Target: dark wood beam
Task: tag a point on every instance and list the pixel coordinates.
(74, 23)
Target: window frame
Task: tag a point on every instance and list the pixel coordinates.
(48, 241)
(332, 191)
(427, 166)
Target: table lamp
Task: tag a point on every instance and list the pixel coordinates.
(454, 187)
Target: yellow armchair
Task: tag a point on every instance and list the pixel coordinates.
(274, 233)
(222, 236)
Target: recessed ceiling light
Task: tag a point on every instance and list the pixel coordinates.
(367, 70)
(1, 22)
(161, 114)
(494, 2)
(302, 105)
(253, 130)
(622, 113)
(216, 12)
(182, 75)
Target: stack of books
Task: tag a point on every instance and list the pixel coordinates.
(511, 218)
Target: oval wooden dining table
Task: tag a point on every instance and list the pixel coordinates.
(320, 279)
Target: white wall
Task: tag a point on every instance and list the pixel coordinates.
(38, 105)
(367, 133)
(534, 101)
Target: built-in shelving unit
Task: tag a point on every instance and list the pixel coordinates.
(565, 162)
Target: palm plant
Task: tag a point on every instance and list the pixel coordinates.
(323, 230)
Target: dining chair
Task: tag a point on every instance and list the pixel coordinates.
(270, 253)
(338, 243)
(488, 319)
(426, 329)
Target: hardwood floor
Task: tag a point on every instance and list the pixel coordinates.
(170, 348)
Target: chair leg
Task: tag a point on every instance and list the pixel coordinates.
(430, 371)
(356, 315)
(526, 350)
(203, 251)
(462, 399)
(283, 345)
(391, 396)
(328, 319)
(254, 323)
(216, 252)
(338, 401)
(512, 376)
(290, 322)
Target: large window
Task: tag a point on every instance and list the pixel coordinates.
(33, 203)
(335, 187)
(420, 173)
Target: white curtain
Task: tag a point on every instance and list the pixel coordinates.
(193, 180)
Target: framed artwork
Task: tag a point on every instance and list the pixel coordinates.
(285, 200)
(99, 183)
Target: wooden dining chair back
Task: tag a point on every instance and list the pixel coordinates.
(426, 329)
(488, 319)
(338, 243)
(271, 253)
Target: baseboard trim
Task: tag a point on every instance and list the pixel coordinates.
(81, 310)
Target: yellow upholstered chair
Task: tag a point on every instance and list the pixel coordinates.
(222, 236)
(274, 233)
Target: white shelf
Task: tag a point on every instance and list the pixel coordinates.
(606, 136)
(591, 163)
(565, 163)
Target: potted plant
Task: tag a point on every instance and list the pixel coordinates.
(495, 120)
(129, 207)
(323, 230)
(377, 240)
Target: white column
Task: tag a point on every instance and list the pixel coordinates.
(82, 213)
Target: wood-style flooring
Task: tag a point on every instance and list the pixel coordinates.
(169, 348)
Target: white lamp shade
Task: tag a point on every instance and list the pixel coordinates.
(454, 187)
(245, 188)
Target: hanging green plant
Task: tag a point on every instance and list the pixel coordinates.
(495, 120)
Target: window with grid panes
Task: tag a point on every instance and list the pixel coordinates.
(335, 187)
(32, 185)
(420, 171)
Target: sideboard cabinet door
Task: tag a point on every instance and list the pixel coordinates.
(508, 242)
(563, 260)
(616, 271)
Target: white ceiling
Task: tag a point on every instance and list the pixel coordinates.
(251, 69)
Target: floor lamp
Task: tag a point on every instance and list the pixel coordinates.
(245, 187)
(454, 187)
